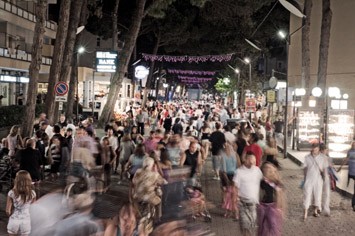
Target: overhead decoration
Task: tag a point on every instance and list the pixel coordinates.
(194, 78)
(189, 59)
(192, 81)
(188, 79)
(191, 72)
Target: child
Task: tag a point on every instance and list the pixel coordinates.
(18, 204)
(197, 200)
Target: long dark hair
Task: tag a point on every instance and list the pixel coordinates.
(164, 156)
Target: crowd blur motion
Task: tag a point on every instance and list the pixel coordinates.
(160, 152)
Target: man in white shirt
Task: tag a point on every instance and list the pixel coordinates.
(230, 137)
(247, 181)
(113, 142)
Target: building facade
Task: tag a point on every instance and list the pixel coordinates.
(17, 22)
(341, 67)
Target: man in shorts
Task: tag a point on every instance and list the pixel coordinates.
(217, 140)
(247, 181)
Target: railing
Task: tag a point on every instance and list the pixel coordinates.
(23, 13)
(22, 55)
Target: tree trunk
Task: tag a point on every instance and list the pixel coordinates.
(148, 85)
(306, 58)
(73, 82)
(324, 44)
(57, 59)
(27, 125)
(116, 82)
(75, 10)
(73, 87)
(114, 25)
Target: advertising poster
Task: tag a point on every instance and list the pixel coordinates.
(250, 104)
(309, 125)
(340, 132)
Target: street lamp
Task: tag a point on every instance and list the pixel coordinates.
(157, 89)
(80, 51)
(248, 62)
(287, 38)
(165, 85)
(237, 72)
(282, 34)
(292, 7)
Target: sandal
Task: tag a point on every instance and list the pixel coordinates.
(316, 214)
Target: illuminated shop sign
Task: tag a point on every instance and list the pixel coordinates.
(309, 125)
(106, 61)
(340, 132)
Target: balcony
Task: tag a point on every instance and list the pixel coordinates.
(11, 8)
(22, 56)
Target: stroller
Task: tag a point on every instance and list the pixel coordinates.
(197, 203)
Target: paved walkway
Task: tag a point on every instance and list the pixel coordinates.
(342, 184)
(339, 223)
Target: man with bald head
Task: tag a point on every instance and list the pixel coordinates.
(30, 160)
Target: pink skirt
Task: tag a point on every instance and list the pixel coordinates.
(269, 220)
(229, 199)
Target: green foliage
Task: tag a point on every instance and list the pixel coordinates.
(14, 114)
(158, 7)
(198, 3)
(222, 86)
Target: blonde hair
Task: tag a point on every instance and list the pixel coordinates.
(15, 130)
(23, 186)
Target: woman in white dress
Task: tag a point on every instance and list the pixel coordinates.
(314, 172)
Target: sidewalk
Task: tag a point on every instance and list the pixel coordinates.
(342, 185)
(339, 223)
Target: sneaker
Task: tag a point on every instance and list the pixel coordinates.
(216, 178)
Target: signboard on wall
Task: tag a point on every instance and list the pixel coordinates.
(340, 132)
(106, 61)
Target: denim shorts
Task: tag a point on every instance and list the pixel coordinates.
(19, 226)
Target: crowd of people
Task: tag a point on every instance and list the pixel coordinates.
(161, 151)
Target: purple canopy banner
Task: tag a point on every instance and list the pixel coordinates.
(189, 59)
(191, 72)
(194, 78)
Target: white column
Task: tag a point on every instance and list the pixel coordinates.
(12, 94)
